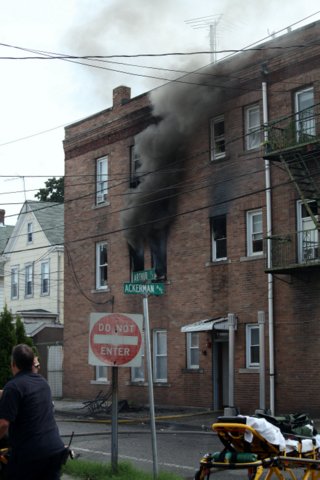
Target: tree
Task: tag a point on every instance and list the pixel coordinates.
(11, 334)
(7, 341)
(53, 192)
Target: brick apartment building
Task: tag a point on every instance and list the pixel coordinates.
(213, 181)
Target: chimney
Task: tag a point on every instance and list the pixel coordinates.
(2, 214)
(121, 95)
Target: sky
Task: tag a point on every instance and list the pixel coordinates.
(40, 96)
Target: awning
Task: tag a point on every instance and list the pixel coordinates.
(207, 325)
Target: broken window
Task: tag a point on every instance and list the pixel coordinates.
(219, 237)
(218, 147)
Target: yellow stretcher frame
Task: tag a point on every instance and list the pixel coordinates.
(270, 460)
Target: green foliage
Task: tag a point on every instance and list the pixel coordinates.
(54, 191)
(82, 469)
(10, 335)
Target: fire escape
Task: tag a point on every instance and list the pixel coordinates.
(295, 145)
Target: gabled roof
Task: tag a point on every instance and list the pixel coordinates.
(50, 216)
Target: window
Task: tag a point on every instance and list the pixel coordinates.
(254, 233)
(252, 127)
(101, 374)
(219, 237)
(193, 352)
(137, 373)
(44, 278)
(29, 233)
(304, 110)
(102, 180)
(308, 234)
(160, 355)
(28, 280)
(14, 283)
(101, 266)
(135, 163)
(252, 346)
(218, 148)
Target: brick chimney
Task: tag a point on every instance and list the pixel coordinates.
(121, 95)
(2, 214)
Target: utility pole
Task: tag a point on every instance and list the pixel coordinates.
(210, 22)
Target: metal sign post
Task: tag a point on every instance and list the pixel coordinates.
(114, 421)
(150, 386)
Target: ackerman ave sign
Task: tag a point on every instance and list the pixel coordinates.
(144, 288)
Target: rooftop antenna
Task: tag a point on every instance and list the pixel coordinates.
(210, 22)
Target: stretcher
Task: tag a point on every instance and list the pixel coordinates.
(262, 451)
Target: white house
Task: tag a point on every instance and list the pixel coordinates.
(5, 233)
(33, 282)
(33, 286)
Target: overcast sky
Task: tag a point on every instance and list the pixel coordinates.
(38, 97)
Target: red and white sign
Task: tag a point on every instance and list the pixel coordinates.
(115, 339)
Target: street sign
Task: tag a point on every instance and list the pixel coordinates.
(144, 288)
(115, 339)
(143, 276)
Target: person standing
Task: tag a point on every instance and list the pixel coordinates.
(26, 415)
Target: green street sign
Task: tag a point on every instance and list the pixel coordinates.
(143, 288)
(144, 276)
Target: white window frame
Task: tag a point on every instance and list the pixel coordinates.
(305, 115)
(308, 235)
(218, 237)
(193, 349)
(45, 278)
(160, 356)
(101, 180)
(14, 289)
(101, 374)
(218, 144)
(138, 373)
(100, 285)
(254, 233)
(28, 280)
(252, 127)
(29, 232)
(250, 345)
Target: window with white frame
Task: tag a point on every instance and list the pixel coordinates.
(193, 351)
(44, 288)
(219, 237)
(252, 127)
(135, 162)
(137, 373)
(160, 358)
(14, 282)
(254, 233)
(29, 232)
(101, 180)
(252, 346)
(218, 146)
(101, 266)
(305, 115)
(28, 280)
(308, 234)
(101, 374)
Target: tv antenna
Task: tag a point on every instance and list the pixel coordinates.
(211, 22)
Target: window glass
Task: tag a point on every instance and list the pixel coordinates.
(102, 180)
(254, 233)
(308, 234)
(218, 147)
(45, 278)
(219, 237)
(305, 115)
(135, 163)
(101, 373)
(252, 344)
(252, 127)
(14, 282)
(28, 280)
(29, 233)
(137, 373)
(101, 265)
(193, 352)
(160, 355)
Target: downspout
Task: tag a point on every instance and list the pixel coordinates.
(58, 286)
(269, 233)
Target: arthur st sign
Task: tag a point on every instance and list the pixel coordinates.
(143, 276)
(115, 339)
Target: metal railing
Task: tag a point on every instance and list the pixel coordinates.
(295, 250)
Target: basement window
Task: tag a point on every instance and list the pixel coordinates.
(218, 146)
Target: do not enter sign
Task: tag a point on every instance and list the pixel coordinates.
(115, 339)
